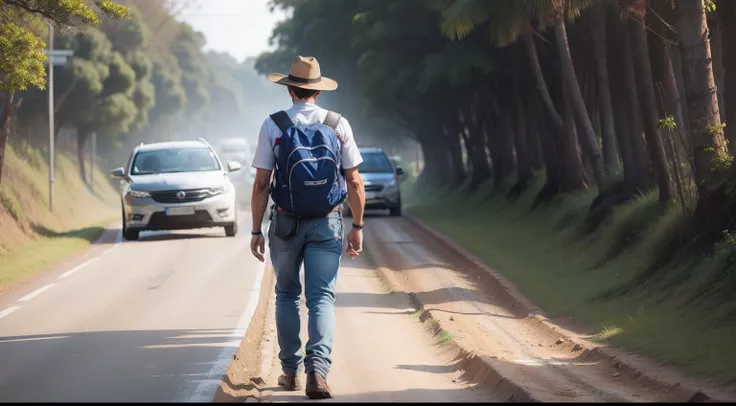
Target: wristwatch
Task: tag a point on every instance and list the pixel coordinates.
(358, 227)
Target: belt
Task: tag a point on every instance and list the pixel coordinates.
(281, 211)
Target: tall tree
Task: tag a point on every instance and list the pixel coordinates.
(710, 154)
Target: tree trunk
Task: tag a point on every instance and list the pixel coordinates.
(550, 150)
(608, 130)
(535, 144)
(507, 131)
(495, 144)
(81, 140)
(523, 162)
(676, 56)
(456, 155)
(574, 178)
(634, 113)
(711, 157)
(715, 28)
(5, 128)
(649, 109)
(577, 103)
(541, 83)
(727, 12)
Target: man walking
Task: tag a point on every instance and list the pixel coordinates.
(314, 161)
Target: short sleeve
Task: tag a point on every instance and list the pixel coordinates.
(351, 157)
(264, 157)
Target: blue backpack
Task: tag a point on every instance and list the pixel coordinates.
(309, 180)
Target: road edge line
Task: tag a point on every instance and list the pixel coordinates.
(615, 357)
(253, 342)
(207, 390)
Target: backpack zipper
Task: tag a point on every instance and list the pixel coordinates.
(309, 149)
(291, 172)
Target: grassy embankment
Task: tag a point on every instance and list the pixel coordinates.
(682, 314)
(31, 238)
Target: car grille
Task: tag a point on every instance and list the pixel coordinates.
(196, 195)
(373, 188)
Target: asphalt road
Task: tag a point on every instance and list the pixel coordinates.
(153, 320)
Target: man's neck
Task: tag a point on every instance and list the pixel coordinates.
(310, 100)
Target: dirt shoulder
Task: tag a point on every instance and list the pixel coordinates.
(383, 351)
(487, 316)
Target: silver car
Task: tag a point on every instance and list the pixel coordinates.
(176, 186)
(380, 178)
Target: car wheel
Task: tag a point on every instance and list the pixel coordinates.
(231, 230)
(395, 211)
(131, 235)
(128, 235)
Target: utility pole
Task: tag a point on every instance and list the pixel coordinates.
(55, 58)
(51, 119)
(94, 160)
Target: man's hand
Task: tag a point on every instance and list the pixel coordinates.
(355, 242)
(258, 247)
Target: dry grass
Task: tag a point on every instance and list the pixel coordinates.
(31, 237)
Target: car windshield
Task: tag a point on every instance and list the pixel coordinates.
(175, 160)
(375, 162)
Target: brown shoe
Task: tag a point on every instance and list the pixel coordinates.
(317, 387)
(290, 383)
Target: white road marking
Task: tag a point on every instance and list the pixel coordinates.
(8, 311)
(78, 267)
(207, 387)
(36, 292)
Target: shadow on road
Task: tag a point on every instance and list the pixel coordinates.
(176, 236)
(89, 234)
(419, 395)
(110, 366)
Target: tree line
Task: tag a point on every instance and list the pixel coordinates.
(137, 74)
(621, 96)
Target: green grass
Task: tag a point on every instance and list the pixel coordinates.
(45, 252)
(32, 238)
(682, 314)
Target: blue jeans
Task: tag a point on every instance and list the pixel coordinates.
(317, 244)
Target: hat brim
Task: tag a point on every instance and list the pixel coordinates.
(325, 84)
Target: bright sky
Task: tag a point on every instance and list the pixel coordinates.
(241, 28)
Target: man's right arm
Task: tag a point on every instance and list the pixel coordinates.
(263, 161)
(259, 197)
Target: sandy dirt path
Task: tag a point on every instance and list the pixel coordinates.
(382, 353)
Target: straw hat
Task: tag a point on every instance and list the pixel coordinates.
(304, 73)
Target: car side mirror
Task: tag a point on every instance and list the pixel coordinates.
(233, 166)
(399, 170)
(118, 173)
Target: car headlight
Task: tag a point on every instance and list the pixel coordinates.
(391, 184)
(138, 194)
(214, 191)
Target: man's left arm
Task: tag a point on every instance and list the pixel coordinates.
(259, 197)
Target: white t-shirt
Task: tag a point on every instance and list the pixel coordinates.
(304, 113)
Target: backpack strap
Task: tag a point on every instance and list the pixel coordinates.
(282, 120)
(332, 120)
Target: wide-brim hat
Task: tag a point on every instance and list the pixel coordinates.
(306, 74)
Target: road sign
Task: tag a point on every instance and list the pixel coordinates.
(56, 60)
(58, 52)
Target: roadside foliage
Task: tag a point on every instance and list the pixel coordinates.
(625, 101)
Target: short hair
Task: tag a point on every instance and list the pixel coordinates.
(302, 93)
